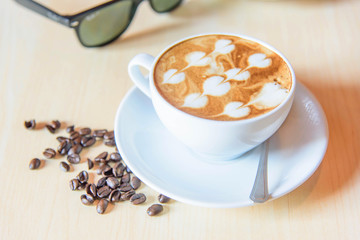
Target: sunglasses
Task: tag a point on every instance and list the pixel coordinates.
(102, 24)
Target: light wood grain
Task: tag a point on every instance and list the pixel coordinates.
(46, 74)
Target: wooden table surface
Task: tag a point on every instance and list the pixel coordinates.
(46, 74)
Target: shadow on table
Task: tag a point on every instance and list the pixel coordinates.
(187, 14)
(340, 164)
(192, 12)
(151, 32)
(198, 9)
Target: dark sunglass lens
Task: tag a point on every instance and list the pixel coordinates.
(105, 24)
(164, 5)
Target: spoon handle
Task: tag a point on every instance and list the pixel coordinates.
(259, 192)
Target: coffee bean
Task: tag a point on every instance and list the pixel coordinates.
(49, 153)
(101, 157)
(64, 167)
(74, 184)
(138, 198)
(109, 135)
(103, 192)
(103, 168)
(76, 141)
(163, 199)
(61, 139)
(55, 124)
(108, 172)
(91, 190)
(114, 186)
(125, 187)
(101, 182)
(64, 147)
(74, 134)
(85, 131)
(115, 196)
(112, 182)
(115, 157)
(110, 142)
(74, 158)
(154, 209)
(76, 149)
(50, 128)
(127, 195)
(99, 133)
(30, 124)
(118, 169)
(87, 199)
(34, 163)
(68, 145)
(135, 182)
(125, 178)
(70, 129)
(82, 185)
(87, 141)
(117, 172)
(83, 176)
(101, 206)
(90, 164)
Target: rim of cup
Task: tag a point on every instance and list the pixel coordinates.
(262, 116)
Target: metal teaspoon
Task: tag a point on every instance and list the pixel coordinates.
(259, 192)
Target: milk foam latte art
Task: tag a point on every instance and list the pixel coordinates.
(222, 77)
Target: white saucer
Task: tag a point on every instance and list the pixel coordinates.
(167, 166)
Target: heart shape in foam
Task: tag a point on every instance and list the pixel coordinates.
(259, 60)
(197, 59)
(270, 95)
(234, 109)
(195, 100)
(215, 86)
(171, 77)
(235, 74)
(224, 46)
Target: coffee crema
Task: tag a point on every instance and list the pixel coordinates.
(222, 77)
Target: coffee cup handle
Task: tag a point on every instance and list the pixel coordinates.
(141, 81)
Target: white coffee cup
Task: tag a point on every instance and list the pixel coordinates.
(211, 139)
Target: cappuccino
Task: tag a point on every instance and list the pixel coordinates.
(222, 77)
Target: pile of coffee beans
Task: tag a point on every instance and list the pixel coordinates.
(117, 183)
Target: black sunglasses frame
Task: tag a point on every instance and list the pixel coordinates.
(74, 21)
